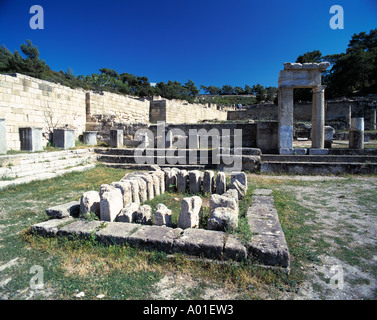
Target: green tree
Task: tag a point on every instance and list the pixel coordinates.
(227, 90)
(312, 56)
(239, 90)
(192, 90)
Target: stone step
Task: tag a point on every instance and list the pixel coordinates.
(318, 167)
(320, 158)
(145, 167)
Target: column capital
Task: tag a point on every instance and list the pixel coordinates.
(319, 89)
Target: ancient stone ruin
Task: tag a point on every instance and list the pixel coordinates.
(123, 218)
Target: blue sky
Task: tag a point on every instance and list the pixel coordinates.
(211, 42)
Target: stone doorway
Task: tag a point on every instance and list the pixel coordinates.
(297, 75)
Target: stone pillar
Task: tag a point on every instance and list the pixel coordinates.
(64, 138)
(318, 117)
(349, 117)
(357, 134)
(116, 138)
(90, 138)
(31, 139)
(3, 138)
(285, 138)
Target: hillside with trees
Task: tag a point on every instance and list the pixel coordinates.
(352, 72)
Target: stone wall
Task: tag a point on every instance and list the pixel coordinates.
(30, 102)
(177, 111)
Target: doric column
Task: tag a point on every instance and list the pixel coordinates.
(318, 117)
(285, 120)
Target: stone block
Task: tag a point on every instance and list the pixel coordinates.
(144, 214)
(200, 242)
(162, 216)
(116, 233)
(80, 229)
(239, 182)
(209, 181)
(195, 181)
(314, 151)
(182, 179)
(128, 213)
(125, 188)
(90, 202)
(156, 183)
(234, 249)
(111, 204)
(64, 138)
(3, 138)
(31, 139)
(116, 138)
(50, 227)
(171, 178)
(64, 210)
(220, 183)
(191, 212)
(149, 184)
(155, 238)
(90, 138)
(222, 219)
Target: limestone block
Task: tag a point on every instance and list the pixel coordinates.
(182, 178)
(128, 213)
(149, 184)
(191, 212)
(220, 183)
(156, 183)
(161, 176)
(238, 181)
(125, 188)
(171, 178)
(222, 219)
(195, 181)
(90, 202)
(209, 181)
(64, 210)
(134, 189)
(144, 214)
(111, 204)
(162, 216)
(217, 201)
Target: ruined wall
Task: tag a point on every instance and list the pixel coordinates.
(30, 102)
(177, 111)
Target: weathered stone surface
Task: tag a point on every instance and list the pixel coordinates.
(105, 188)
(200, 242)
(64, 210)
(262, 192)
(238, 181)
(149, 184)
(50, 227)
(143, 193)
(222, 219)
(220, 183)
(128, 213)
(80, 228)
(182, 179)
(90, 202)
(191, 211)
(171, 178)
(155, 238)
(209, 181)
(162, 216)
(161, 176)
(125, 188)
(144, 214)
(268, 245)
(217, 201)
(195, 181)
(232, 193)
(156, 183)
(116, 233)
(234, 249)
(110, 204)
(134, 190)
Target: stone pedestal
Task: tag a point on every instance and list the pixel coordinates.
(116, 138)
(357, 134)
(31, 139)
(64, 138)
(90, 138)
(318, 117)
(3, 140)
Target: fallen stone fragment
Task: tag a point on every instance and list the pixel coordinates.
(111, 204)
(90, 202)
(222, 219)
(125, 188)
(195, 181)
(64, 210)
(162, 216)
(128, 213)
(220, 183)
(182, 178)
(209, 181)
(144, 214)
(238, 181)
(191, 211)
